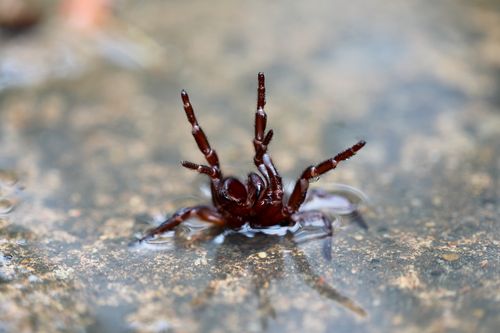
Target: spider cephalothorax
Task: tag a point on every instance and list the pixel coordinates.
(259, 201)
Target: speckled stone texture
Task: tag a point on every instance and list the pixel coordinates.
(92, 130)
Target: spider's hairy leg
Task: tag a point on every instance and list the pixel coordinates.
(305, 217)
(261, 159)
(211, 172)
(205, 213)
(260, 115)
(301, 186)
(275, 183)
(260, 140)
(198, 134)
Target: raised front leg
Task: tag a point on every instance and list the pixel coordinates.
(262, 160)
(200, 137)
(205, 213)
(260, 140)
(211, 172)
(300, 190)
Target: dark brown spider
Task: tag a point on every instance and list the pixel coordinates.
(259, 202)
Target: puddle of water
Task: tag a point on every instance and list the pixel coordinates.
(4, 259)
(8, 178)
(9, 190)
(338, 199)
(319, 217)
(6, 270)
(6, 206)
(263, 257)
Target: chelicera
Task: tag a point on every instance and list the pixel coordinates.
(260, 201)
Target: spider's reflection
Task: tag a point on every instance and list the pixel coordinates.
(263, 258)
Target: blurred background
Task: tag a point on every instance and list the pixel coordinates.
(92, 132)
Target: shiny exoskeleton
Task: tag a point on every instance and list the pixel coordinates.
(260, 200)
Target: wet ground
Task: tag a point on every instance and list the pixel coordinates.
(92, 130)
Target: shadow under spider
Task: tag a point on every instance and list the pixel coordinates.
(264, 256)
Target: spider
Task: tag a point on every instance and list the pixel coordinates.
(259, 201)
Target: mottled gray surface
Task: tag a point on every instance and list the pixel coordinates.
(91, 132)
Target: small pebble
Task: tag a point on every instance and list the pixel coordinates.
(478, 313)
(450, 256)
(436, 272)
(33, 278)
(437, 201)
(416, 203)
(358, 237)
(262, 255)
(3, 259)
(74, 213)
(397, 320)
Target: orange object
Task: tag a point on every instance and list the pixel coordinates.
(86, 14)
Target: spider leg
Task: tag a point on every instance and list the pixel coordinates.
(199, 135)
(209, 171)
(205, 213)
(326, 233)
(275, 183)
(260, 140)
(301, 186)
(262, 160)
(260, 114)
